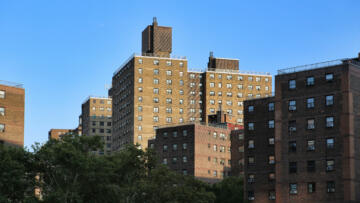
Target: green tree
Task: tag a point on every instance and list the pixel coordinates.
(229, 190)
(17, 180)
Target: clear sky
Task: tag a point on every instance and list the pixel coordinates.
(63, 51)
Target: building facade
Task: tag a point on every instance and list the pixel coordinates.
(154, 89)
(12, 110)
(316, 135)
(96, 120)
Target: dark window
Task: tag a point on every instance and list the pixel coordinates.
(329, 100)
(292, 146)
(108, 123)
(330, 165)
(102, 130)
(330, 186)
(251, 195)
(251, 160)
(292, 167)
(330, 143)
(292, 105)
(293, 188)
(271, 176)
(94, 123)
(310, 103)
(311, 187)
(271, 106)
(292, 84)
(251, 178)
(108, 130)
(329, 77)
(329, 122)
(272, 195)
(101, 123)
(311, 166)
(310, 124)
(311, 145)
(310, 81)
(93, 130)
(292, 126)
(251, 108)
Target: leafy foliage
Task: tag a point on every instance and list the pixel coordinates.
(69, 171)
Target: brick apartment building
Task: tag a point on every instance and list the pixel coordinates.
(317, 136)
(12, 109)
(154, 89)
(96, 119)
(202, 150)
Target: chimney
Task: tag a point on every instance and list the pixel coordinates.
(155, 23)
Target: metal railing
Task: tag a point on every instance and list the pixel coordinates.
(313, 66)
(11, 84)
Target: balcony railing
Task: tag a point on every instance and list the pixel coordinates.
(11, 84)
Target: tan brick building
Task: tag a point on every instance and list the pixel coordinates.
(96, 119)
(154, 89)
(12, 109)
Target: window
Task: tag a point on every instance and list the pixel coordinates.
(292, 105)
(329, 122)
(271, 106)
(257, 87)
(292, 167)
(156, 62)
(310, 103)
(139, 128)
(251, 160)
(174, 147)
(181, 82)
(155, 118)
(271, 141)
(168, 100)
(239, 95)
(181, 92)
(271, 124)
(156, 71)
(212, 93)
(310, 81)
(168, 63)
(215, 147)
(330, 186)
(229, 77)
(329, 101)
(181, 74)
(156, 100)
(251, 144)
(140, 70)
(329, 77)
(168, 82)
(139, 118)
(169, 91)
(330, 143)
(257, 79)
(156, 90)
(219, 85)
(212, 84)
(251, 108)
(2, 111)
(156, 81)
(215, 173)
(240, 77)
(184, 159)
(292, 84)
(266, 79)
(219, 76)
(212, 76)
(139, 137)
(292, 126)
(251, 195)
(219, 93)
(311, 145)
(271, 159)
(181, 111)
(229, 94)
(240, 103)
(272, 195)
(250, 87)
(250, 78)
(184, 146)
(293, 188)
(222, 149)
(181, 101)
(2, 128)
(330, 165)
(140, 99)
(168, 72)
(181, 64)
(140, 61)
(168, 119)
(140, 80)
(271, 176)
(168, 110)
(212, 101)
(311, 166)
(156, 110)
(229, 103)
(228, 86)
(292, 146)
(174, 160)
(310, 124)
(250, 126)
(164, 161)
(251, 178)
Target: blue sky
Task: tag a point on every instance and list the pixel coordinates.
(63, 51)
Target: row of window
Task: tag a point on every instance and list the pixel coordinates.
(293, 190)
(310, 102)
(101, 108)
(157, 62)
(175, 134)
(174, 160)
(220, 161)
(101, 123)
(239, 77)
(168, 119)
(102, 101)
(221, 148)
(239, 86)
(168, 100)
(100, 130)
(157, 81)
(271, 160)
(271, 107)
(311, 166)
(311, 145)
(175, 147)
(310, 125)
(310, 81)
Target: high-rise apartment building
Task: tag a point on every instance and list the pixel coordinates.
(317, 134)
(12, 109)
(154, 89)
(96, 119)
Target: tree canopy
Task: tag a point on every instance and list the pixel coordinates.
(68, 170)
